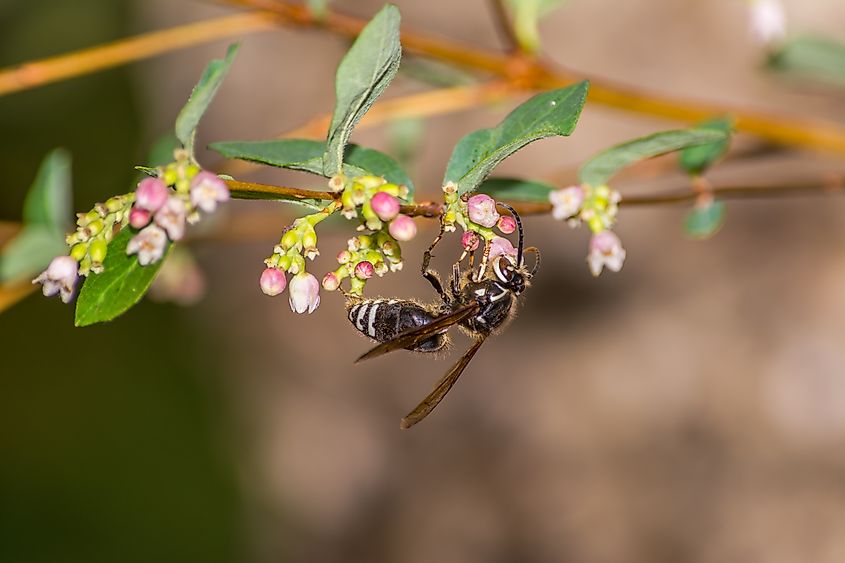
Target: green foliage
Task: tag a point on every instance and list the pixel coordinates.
(526, 18)
(46, 214)
(363, 74)
(600, 169)
(516, 189)
(695, 160)
(121, 285)
(704, 222)
(307, 156)
(813, 57)
(547, 114)
(201, 96)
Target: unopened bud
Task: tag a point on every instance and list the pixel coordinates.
(97, 251)
(364, 270)
(290, 239)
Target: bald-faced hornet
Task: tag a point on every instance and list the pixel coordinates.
(480, 301)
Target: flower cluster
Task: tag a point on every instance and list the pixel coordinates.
(298, 243)
(158, 209)
(597, 207)
(163, 204)
(477, 216)
(364, 257)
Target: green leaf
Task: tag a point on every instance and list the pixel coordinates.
(48, 203)
(704, 222)
(550, 113)
(363, 74)
(307, 156)
(121, 285)
(600, 169)
(696, 160)
(201, 96)
(516, 189)
(30, 252)
(813, 57)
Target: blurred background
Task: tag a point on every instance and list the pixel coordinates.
(688, 409)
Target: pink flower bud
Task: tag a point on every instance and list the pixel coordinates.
(331, 282)
(151, 194)
(59, 277)
(506, 224)
(470, 240)
(304, 293)
(482, 210)
(272, 281)
(139, 218)
(344, 256)
(364, 270)
(402, 228)
(385, 206)
(605, 251)
(501, 246)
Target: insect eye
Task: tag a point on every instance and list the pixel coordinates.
(504, 269)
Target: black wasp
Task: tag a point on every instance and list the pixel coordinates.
(480, 301)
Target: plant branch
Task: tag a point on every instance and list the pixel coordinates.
(505, 25)
(539, 74)
(85, 61)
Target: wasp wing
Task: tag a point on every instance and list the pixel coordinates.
(443, 387)
(411, 338)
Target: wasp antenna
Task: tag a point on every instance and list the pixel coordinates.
(536, 251)
(519, 246)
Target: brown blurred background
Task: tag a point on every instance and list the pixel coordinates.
(688, 409)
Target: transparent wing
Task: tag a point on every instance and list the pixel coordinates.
(412, 337)
(443, 387)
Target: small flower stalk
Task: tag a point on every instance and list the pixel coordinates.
(157, 212)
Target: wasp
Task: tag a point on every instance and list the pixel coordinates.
(481, 301)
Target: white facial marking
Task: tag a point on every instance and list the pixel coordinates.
(479, 292)
(498, 271)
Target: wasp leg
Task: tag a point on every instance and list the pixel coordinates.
(456, 281)
(431, 275)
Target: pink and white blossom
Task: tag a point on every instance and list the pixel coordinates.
(59, 277)
(767, 21)
(272, 281)
(385, 206)
(151, 194)
(402, 228)
(501, 246)
(149, 245)
(605, 252)
(304, 292)
(171, 217)
(207, 190)
(481, 209)
(566, 202)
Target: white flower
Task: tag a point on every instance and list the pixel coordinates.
(566, 202)
(304, 292)
(207, 190)
(148, 245)
(605, 251)
(171, 217)
(767, 21)
(59, 277)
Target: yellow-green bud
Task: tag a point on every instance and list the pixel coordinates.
(79, 251)
(284, 262)
(392, 189)
(365, 241)
(115, 204)
(97, 250)
(309, 239)
(297, 264)
(370, 181)
(170, 175)
(290, 239)
(95, 227)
